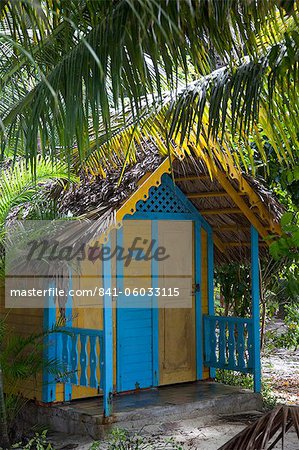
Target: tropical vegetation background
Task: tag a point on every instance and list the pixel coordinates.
(84, 82)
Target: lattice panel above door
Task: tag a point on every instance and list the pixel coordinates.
(163, 199)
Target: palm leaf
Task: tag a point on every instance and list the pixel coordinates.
(17, 185)
(207, 116)
(267, 431)
(77, 61)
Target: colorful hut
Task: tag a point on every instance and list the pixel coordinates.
(133, 337)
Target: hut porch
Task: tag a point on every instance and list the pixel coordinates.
(147, 408)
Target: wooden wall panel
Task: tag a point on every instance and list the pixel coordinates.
(23, 322)
(176, 321)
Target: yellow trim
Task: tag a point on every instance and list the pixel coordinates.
(217, 241)
(210, 194)
(254, 199)
(193, 178)
(129, 207)
(222, 178)
(242, 244)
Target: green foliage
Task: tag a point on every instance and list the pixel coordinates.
(37, 442)
(232, 378)
(289, 338)
(21, 360)
(28, 196)
(245, 381)
(288, 244)
(233, 282)
(62, 82)
(121, 439)
(19, 187)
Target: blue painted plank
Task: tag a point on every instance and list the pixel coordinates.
(240, 346)
(66, 355)
(136, 331)
(50, 348)
(108, 337)
(137, 357)
(207, 346)
(83, 360)
(93, 358)
(255, 292)
(134, 339)
(231, 345)
(222, 342)
(230, 319)
(83, 331)
(140, 369)
(142, 341)
(250, 345)
(213, 342)
(69, 320)
(74, 359)
(102, 360)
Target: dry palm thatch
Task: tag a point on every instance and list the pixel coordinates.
(266, 432)
(98, 199)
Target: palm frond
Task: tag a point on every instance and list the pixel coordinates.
(77, 61)
(267, 431)
(227, 115)
(17, 185)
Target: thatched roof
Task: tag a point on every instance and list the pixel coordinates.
(99, 198)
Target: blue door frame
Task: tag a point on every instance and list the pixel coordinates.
(154, 306)
(190, 213)
(146, 368)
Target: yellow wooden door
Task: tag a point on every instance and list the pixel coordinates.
(177, 349)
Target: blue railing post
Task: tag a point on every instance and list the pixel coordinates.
(50, 346)
(108, 334)
(227, 341)
(255, 290)
(69, 320)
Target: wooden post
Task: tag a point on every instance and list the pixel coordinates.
(255, 293)
(211, 306)
(108, 333)
(69, 320)
(51, 347)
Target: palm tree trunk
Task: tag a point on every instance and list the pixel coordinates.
(4, 439)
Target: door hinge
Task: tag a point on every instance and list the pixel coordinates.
(195, 288)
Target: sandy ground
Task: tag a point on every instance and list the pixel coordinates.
(188, 435)
(281, 368)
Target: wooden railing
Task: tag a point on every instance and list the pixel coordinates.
(228, 343)
(82, 353)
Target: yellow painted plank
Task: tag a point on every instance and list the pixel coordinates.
(129, 207)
